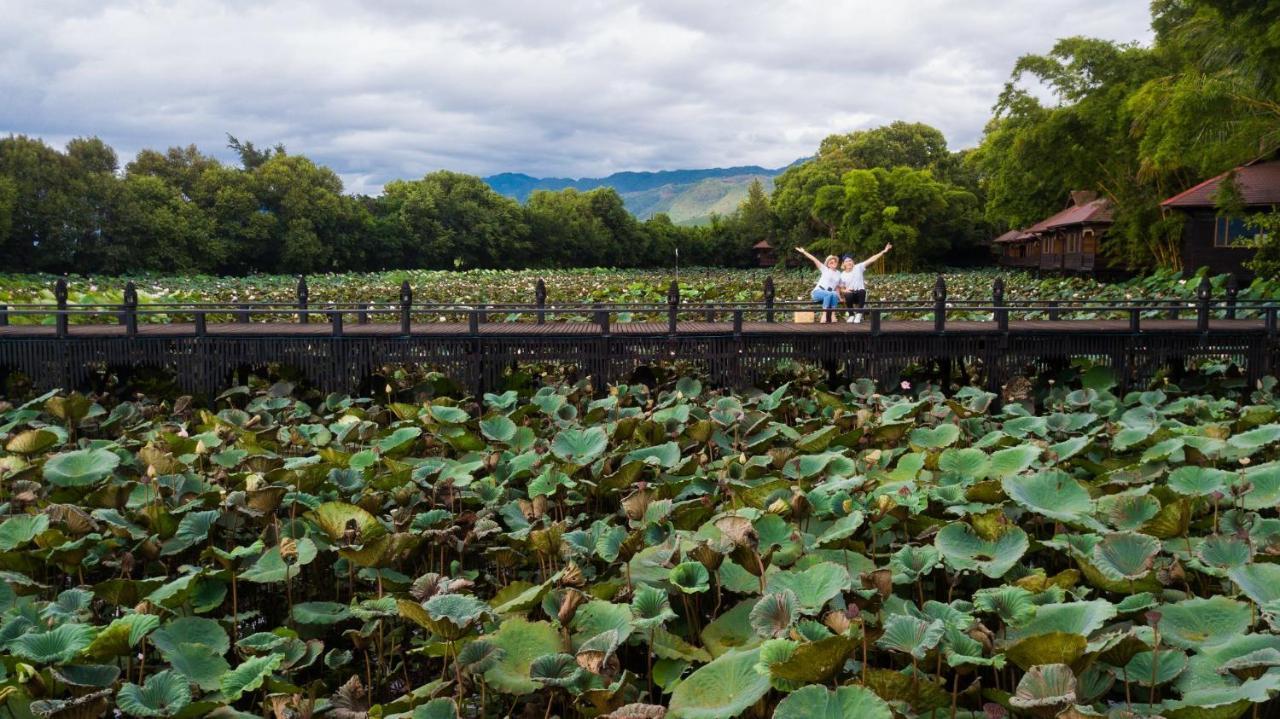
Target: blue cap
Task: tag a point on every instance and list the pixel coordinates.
(846, 257)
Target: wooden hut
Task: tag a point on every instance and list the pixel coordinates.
(1067, 241)
(765, 255)
(1017, 248)
(1215, 239)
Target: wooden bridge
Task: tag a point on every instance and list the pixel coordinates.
(338, 346)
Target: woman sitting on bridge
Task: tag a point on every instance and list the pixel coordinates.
(853, 283)
(828, 282)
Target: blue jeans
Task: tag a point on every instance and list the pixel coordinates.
(828, 298)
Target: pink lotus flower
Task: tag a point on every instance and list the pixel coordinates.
(906, 385)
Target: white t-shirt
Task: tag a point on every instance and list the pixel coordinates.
(854, 279)
(828, 280)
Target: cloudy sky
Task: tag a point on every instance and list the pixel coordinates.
(398, 88)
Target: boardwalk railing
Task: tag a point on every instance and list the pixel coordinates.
(56, 341)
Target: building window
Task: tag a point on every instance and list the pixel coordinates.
(1232, 232)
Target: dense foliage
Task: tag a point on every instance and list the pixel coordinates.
(1138, 124)
(804, 552)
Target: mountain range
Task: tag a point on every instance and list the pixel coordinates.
(688, 197)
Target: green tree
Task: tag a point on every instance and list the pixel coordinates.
(455, 221)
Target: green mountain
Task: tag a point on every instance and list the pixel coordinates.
(688, 197)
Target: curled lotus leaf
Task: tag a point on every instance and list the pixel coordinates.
(55, 646)
(690, 577)
(1012, 461)
(1204, 622)
(1160, 667)
(162, 695)
(347, 524)
(1224, 551)
(1125, 556)
(479, 656)
(1259, 582)
(818, 702)
(963, 549)
(774, 614)
(580, 446)
(1128, 512)
(913, 562)
(1194, 481)
(521, 642)
(93, 704)
(556, 670)
(32, 441)
(651, 607)
(1045, 686)
(812, 587)
(1014, 605)
(911, 635)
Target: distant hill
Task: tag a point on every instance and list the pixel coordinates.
(689, 197)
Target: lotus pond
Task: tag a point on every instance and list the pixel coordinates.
(674, 552)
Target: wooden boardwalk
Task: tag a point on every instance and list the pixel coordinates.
(341, 346)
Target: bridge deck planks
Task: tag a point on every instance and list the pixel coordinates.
(583, 329)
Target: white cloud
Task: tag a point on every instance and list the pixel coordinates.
(397, 89)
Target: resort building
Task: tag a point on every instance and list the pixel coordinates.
(1064, 242)
(1217, 239)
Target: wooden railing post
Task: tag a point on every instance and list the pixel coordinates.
(201, 324)
(940, 305)
(362, 316)
(60, 294)
(473, 322)
(1233, 290)
(875, 322)
(242, 315)
(737, 323)
(303, 296)
(602, 319)
(673, 304)
(1270, 321)
(997, 301)
(1204, 296)
(4, 315)
(1054, 314)
(768, 298)
(1135, 319)
(131, 310)
(540, 297)
(406, 304)
(336, 320)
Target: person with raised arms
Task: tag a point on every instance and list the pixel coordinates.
(826, 291)
(853, 282)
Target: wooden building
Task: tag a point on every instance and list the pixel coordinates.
(1067, 241)
(1214, 239)
(765, 254)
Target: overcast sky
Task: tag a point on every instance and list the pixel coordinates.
(397, 88)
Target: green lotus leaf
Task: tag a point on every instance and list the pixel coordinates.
(479, 656)
(88, 675)
(943, 435)
(521, 642)
(774, 614)
(1011, 461)
(346, 523)
(580, 446)
(399, 440)
(249, 675)
(670, 646)
(1125, 556)
(731, 630)
(320, 613)
(1014, 605)
(722, 689)
(121, 635)
(1192, 481)
(965, 462)
(194, 529)
(498, 428)
(1083, 618)
(452, 615)
(1251, 665)
(56, 646)
(922, 694)
(196, 630)
(1047, 648)
(842, 528)
(448, 415)
(911, 635)
(913, 562)
(271, 566)
(598, 616)
(363, 460)
(200, 664)
(17, 531)
(812, 587)
(818, 702)
(1128, 512)
(1161, 667)
(162, 695)
(86, 706)
(1134, 603)
(650, 607)
(556, 670)
(1045, 686)
(690, 577)
(1256, 439)
(662, 455)
(1204, 622)
(80, 468)
(1052, 494)
(1259, 582)
(963, 549)
(442, 708)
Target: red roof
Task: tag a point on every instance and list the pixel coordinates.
(1093, 212)
(1258, 181)
(762, 245)
(1010, 236)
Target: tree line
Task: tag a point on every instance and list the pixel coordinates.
(1136, 123)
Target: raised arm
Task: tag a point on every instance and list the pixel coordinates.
(816, 262)
(877, 255)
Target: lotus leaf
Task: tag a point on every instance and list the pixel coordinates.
(1046, 685)
(690, 577)
(580, 446)
(1125, 556)
(812, 587)
(17, 531)
(249, 675)
(1209, 622)
(911, 635)
(1052, 494)
(1159, 667)
(80, 468)
(55, 646)
(521, 642)
(724, 688)
(162, 695)
(1195, 481)
(436, 709)
(817, 702)
(774, 614)
(555, 670)
(963, 549)
(651, 607)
